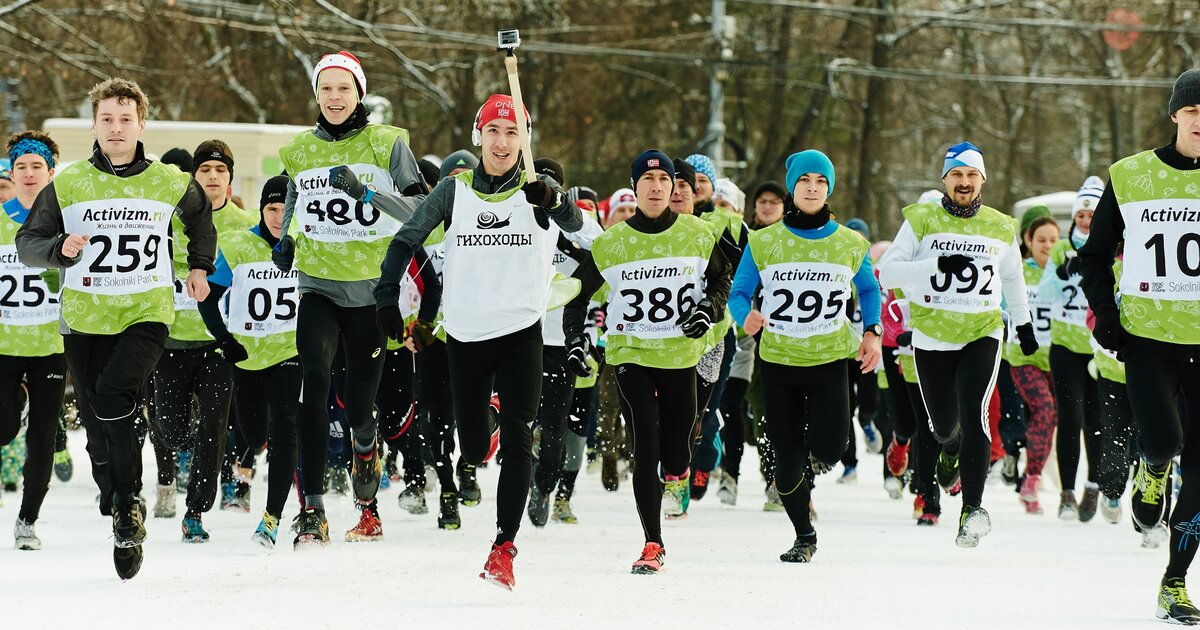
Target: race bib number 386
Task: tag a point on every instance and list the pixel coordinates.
(649, 296)
(975, 289)
(329, 215)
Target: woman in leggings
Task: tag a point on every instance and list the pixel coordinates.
(954, 259)
(655, 264)
(1075, 389)
(809, 267)
(260, 340)
(1031, 374)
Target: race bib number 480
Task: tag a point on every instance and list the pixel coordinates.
(24, 298)
(805, 299)
(975, 289)
(1162, 249)
(329, 215)
(649, 296)
(264, 300)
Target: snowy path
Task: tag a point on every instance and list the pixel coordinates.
(874, 568)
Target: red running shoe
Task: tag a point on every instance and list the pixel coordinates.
(369, 527)
(498, 569)
(651, 561)
(897, 458)
(494, 444)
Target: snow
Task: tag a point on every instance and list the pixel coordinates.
(874, 567)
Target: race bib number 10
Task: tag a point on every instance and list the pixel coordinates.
(1162, 249)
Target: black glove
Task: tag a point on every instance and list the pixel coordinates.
(904, 339)
(422, 335)
(1108, 331)
(540, 194)
(697, 320)
(53, 279)
(344, 179)
(578, 349)
(571, 249)
(1025, 337)
(232, 350)
(953, 264)
(1069, 268)
(390, 322)
(284, 253)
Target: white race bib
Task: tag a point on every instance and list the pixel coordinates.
(1162, 249)
(976, 289)
(648, 296)
(126, 250)
(24, 298)
(329, 215)
(263, 300)
(1073, 309)
(1040, 312)
(802, 299)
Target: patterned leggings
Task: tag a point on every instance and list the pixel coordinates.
(1037, 389)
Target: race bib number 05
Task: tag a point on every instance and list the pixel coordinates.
(264, 300)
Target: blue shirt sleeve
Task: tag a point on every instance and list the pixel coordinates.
(870, 297)
(223, 274)
(745, 285)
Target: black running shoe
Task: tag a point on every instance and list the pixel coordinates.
(1174, 605)
(802, 550)
(448, 511)
(127, 561)
(468, 488)
(129, 515)
(947, 470)
(1149, 494)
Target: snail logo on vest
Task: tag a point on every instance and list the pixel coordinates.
(489, 221)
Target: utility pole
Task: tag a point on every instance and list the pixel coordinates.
(15, 114)
(723, 28)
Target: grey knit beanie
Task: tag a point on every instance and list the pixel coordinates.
(1186, 91)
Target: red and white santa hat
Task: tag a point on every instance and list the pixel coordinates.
(345, 61)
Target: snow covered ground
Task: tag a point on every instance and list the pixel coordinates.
(874, 568)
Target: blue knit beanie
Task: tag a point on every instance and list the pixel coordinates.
(704, 165)
(810, 161)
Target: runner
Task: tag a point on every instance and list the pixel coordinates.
(117, 301)
(809, 267)
(31, 348)
(353, 182)
(260, 342)
(1146, 205)
(191, 365)
(957, 326)
(497, 271)
(655, 264)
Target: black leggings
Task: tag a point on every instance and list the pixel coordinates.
(661, 407)
(558, 390)
(397, 404)
(956, 386)
(906, 423)
(180, 374)
(47, 381)
(864, 394)
(1014, 417)
(733, 435)
(267, 402)
(1078, 409)
(808, 414)
(434, 400)
(321, 326)
(110, 373)
(512, 364)
(1163, 382)
(1114, 437)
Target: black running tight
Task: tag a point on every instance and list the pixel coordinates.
(956, 386)
(267, 401)
(661, 407)
(1114, 437)
(558, 390)
(433, 398)
(396, 402)
(47, 380)
(807, 414)
(1078, 410)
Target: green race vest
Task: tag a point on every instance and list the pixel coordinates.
(339, 238)
(1039, 310)
(1160, 283)
(653, 278)
(28, 311)
(262, 301)
(188, 325)
(1068, 326)
(807, 291)
(124, 276)
(959, 309)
